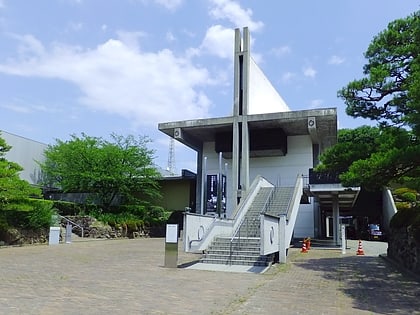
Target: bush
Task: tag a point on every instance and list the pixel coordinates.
(406, 194)
(40, 216)
(405, 218)
(66, 208)
(35, 214)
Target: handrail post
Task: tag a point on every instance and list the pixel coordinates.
(70, 221)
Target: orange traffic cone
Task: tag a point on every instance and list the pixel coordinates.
(304, 250)
(307, 241)
(360, 249)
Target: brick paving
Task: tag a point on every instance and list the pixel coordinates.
(128, 277)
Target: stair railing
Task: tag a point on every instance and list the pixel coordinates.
(269, 201)
(237, 233)
(74, 223)
(296, 190)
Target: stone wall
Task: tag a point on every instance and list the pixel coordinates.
(404, 249)
(96, 229)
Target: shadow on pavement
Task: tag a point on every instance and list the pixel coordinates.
(373, 284)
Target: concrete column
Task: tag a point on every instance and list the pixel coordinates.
(236, 73)
(200, 189)
(235, 164)
(336, 219)
(245, 155)
(245, 106)
(282, 239)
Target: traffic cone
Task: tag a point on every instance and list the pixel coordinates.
(360, 249)
(303, 250)
(308, 243)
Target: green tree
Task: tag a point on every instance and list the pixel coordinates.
(14, 192)
(121, 168)
(352, 145)
(390, 94)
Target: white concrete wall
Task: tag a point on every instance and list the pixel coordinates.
(284, 169)
(304, 226)
(389, 208)
(25, 152)
(263, 97)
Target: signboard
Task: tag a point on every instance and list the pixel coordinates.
(171, 246)
(213, 193)
(172, 233)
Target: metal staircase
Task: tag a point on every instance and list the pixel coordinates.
(243, 248)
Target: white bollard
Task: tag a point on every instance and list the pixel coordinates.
(343, 239)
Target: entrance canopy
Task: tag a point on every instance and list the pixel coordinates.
(320, 124)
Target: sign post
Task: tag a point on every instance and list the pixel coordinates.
(171, 246)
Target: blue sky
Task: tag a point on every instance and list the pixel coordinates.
(123, 66)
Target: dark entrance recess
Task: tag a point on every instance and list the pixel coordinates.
(263, 142)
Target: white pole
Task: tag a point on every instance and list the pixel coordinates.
(204, 187)
(343, 239)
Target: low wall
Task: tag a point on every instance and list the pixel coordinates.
(404, 249)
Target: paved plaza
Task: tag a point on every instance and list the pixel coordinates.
(128, 277)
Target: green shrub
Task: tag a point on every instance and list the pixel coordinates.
(402, 205)
(404, 218)
(66, 208)
(409, 196)
(40, 216)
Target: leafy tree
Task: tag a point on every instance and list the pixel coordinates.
(352, 145)
(397, 159)
(108, 170)
(14, 192)
(390, 94)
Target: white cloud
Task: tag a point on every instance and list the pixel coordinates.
(25, 109)
(288, 76)
(17, 108)
(130, 39)
(232, 11)
(316, 103)
(169, 4)
(104, 27)
(170, 36)
(336, 60)
(145, 88)
(75, 26)
(218, 41)
(28, 44)
(308, 71)
(281, 51)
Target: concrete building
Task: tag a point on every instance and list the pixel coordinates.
(26, 153)
(262, 137)
(262, 145)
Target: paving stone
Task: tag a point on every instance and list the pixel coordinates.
(128, 277)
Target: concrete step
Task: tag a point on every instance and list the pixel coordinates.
(234, 261)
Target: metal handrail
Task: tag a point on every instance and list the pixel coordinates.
(268, 201)
(74, 223)
(205, 232)
(245, 219)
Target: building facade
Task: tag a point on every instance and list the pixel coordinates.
(27, 153)
(263, 137)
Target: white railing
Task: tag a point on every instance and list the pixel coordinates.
(200, 230)
(277, 231)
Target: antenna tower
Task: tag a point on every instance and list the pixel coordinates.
(171, 157)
